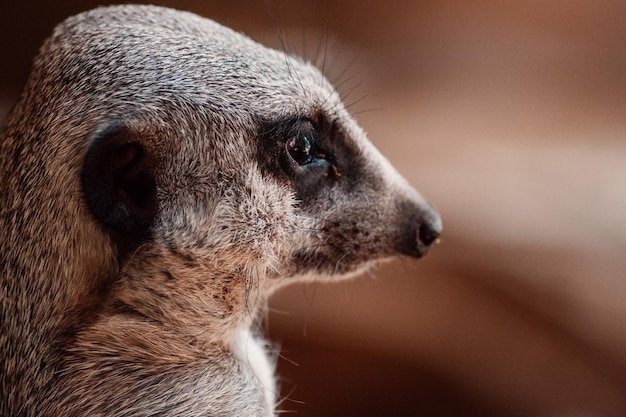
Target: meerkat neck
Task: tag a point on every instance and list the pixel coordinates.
(213, 308)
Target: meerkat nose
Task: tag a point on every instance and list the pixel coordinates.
(428, 231)
(418, 229)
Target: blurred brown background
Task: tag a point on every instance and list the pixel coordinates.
(510, 118)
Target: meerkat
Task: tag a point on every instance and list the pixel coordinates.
(160, 176)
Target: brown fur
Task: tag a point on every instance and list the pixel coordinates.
(153, 192)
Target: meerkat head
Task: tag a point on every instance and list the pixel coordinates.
(159, 171)
(205, 157)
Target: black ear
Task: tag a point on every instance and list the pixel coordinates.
(119, 184)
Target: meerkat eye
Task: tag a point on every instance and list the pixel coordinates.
(300, 147)
(302, 157)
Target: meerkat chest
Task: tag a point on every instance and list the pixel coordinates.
(252, 352)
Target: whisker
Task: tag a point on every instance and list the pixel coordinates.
(315, 285)
(367, 95)
(347, 67)
(343, 82)
(323, 71)
(287, 398)
(338, 262)
(356, 113)
(291, 361)
(287, 55)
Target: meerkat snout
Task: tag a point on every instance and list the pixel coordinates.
(160, 176)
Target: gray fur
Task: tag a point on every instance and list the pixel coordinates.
(94, 325)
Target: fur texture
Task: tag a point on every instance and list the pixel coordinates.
(160, 176)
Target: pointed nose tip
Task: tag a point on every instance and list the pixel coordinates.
(419, 228)
(428, 232)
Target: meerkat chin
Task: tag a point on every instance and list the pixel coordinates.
(159, 176)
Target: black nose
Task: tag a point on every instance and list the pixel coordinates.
(419, 228)
(428, 230)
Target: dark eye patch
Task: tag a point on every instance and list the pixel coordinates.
(311, 154)
(295, 146)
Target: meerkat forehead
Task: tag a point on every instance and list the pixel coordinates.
(153, 53)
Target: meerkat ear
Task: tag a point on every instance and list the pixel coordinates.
(119, 184)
